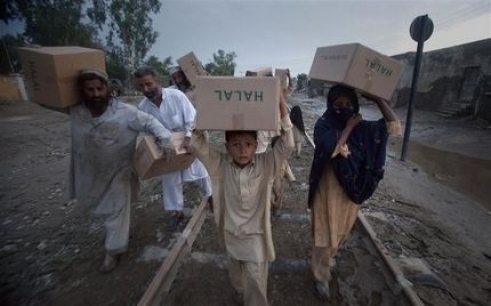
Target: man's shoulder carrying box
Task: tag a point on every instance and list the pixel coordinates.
(51, 72)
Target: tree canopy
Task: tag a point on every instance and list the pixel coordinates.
(223, 63)
(127, 25)
(130, 26)
(162, 67)
(302, 77)
(9, 61)
(46, 23)
(78, 22)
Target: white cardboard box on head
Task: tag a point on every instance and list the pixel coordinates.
(191, 67)
(237, 103)
(51, 73)
(357, 66)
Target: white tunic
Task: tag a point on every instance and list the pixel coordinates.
(176, 113)
(102, 150)
(189, 94)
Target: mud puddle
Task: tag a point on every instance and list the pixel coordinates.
(465, 174)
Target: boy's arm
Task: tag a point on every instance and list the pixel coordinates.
(211, 157)
(284, 146)
(189, 117)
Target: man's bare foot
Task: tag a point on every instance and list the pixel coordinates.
(110, 263)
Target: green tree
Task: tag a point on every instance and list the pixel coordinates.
(162, 67)
(10, 10)
(115, 66)
(52, 22)
(222, 64)
(130, 26)
(9, 60)
(302, 77)
(301, 81)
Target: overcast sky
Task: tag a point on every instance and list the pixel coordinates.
(286, 33)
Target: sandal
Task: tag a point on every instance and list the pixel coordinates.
(321, 291)
(174, 223)
(109, 264)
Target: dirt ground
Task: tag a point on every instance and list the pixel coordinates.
(432, 221)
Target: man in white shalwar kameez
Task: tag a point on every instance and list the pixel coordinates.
(102, 177)
(174, 110)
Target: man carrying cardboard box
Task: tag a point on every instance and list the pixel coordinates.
(174, 110)
(181, 82)
(179, 79)
(102, 177)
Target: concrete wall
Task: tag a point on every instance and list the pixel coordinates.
(460, 74)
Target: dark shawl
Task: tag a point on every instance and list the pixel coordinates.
(296, 118)
(360, 173)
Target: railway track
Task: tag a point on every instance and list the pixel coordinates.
(175, 283)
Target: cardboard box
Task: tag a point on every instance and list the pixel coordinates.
(284, 76)
(261, 71)
(151, 161)
(177, 141)
(191, 67)
(357, 66)
(51, 72)
(237, 103)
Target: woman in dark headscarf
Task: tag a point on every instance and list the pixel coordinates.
(348, 163)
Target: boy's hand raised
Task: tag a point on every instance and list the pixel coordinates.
(283, 106)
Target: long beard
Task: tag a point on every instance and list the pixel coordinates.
(97, 103)
(183, 86)
(152, 94)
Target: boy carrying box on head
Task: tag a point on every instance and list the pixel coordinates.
(242, 182)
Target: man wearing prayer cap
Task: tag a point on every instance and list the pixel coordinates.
(102, 177)
(179, 79)
(181, 82)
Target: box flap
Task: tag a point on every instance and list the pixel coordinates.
(191, 67)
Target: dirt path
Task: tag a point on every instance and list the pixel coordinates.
(51, 249)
